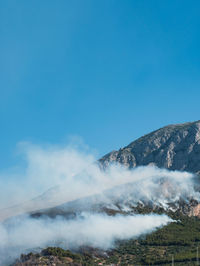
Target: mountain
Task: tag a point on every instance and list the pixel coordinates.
(175, 147)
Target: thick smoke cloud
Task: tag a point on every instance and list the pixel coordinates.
(61, 175)
(100, 231)
(52, 176)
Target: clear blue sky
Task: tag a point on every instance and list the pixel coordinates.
(108, 70)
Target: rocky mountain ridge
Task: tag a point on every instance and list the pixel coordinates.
(175, 147)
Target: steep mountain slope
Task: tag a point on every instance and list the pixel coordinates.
(126, 199)
(175, 147)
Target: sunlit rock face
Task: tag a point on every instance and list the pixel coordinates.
(175, 147)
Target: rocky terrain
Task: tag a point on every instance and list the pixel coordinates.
(175, 147)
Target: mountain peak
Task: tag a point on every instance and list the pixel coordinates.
(175, 147)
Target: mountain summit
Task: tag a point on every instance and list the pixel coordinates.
(175, 147)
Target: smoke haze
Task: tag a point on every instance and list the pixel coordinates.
(53, 176)
(99, 231)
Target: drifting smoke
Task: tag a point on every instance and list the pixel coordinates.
(54, 176)
(100, 231)
(64, 175)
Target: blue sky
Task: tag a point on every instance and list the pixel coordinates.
(108, 71)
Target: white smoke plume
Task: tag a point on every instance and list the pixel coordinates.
(100, 231)
(61, 175)
(52, 176)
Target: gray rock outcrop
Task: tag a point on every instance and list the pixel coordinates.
(175, 147)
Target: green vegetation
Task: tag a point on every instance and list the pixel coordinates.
(59, 252)
(56, 256)
(179, 239)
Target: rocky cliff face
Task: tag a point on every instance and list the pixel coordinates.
(175, 147)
